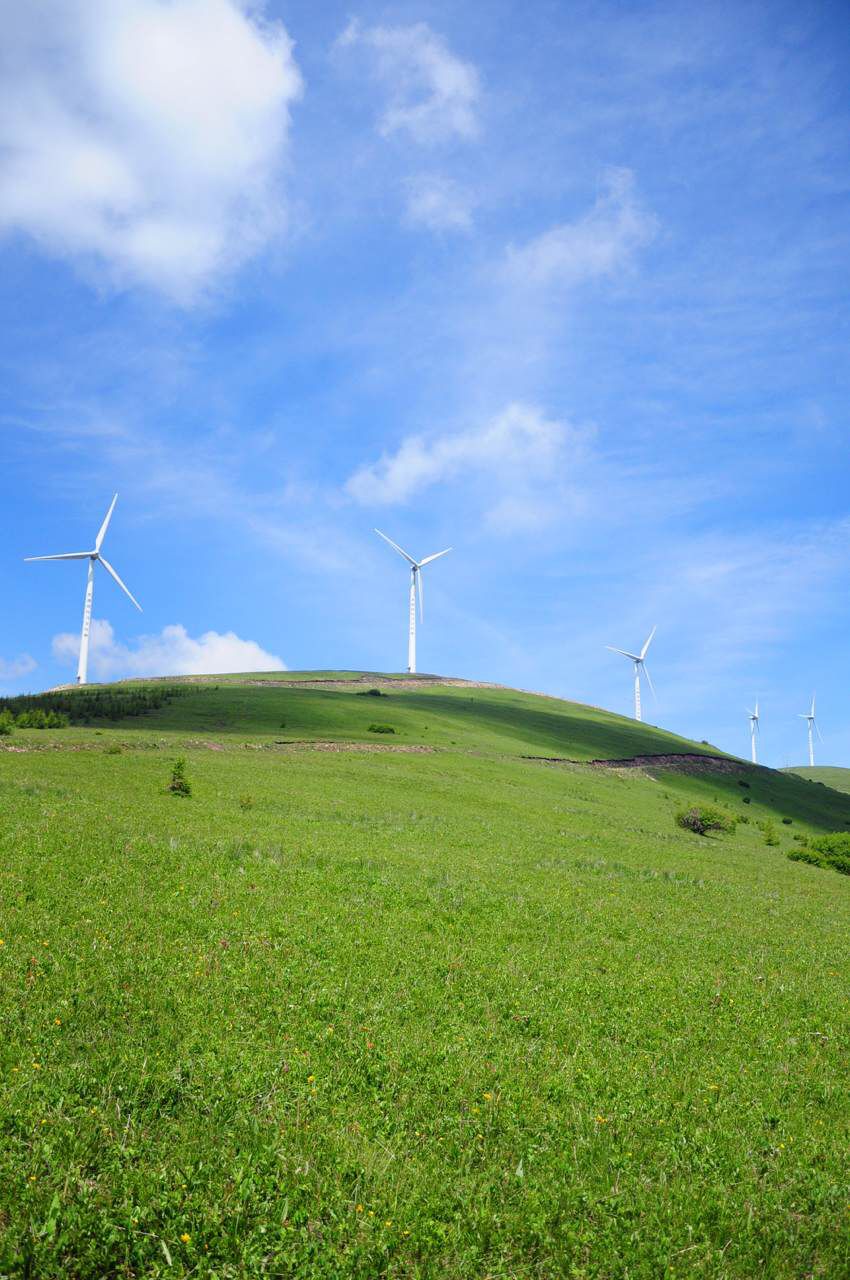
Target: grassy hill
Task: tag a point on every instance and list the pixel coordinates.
(413, 1005)
(830, 776)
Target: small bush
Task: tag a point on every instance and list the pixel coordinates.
(768, 829)
(371, 693)
(7, 723)
(742, 783)
(746, 800)
(704, 818)
(786, 822)
(112, 750)
(179, 784)
(831, 852)
(381, 728)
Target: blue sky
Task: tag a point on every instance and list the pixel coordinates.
(561, 285)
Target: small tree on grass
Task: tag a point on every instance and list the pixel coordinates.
(702, 818)
(179, 784)
(768, 830)
(7, 723)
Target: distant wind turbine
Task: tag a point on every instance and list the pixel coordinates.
(92, 557)
(416, 567)
(754, 730)
(639, 659)
(809, 716)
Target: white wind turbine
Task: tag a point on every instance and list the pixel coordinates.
(813, 728)
(754, 730)
(639, 659)
(416, 567)
(91, 556)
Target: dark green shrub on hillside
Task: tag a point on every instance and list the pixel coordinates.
(786, 822)
(742, 783)
(831, 852)
(746, 800)
(702, 818)
(371, 693)
(381, 728)
(768, 829)
(179, 784)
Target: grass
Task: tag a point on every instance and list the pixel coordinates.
(838, 779)
(456, 1014)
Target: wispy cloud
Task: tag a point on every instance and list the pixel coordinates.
(172, 652)
(602, 242)
(16, 668)
(144, 141)
(523, 456)
(438, 203)
(433, 95)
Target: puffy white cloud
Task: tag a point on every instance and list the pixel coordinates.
(433, 94)
(601, 243)
(523, 456)
(171, 653)
(438, 203)
(15, 668)
(144, 140)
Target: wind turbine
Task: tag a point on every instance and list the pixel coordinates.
(754, 730)
(92, 557)
(813, 728)
(639, 659)
(416, 567)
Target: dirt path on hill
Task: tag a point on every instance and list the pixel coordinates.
(686, 762)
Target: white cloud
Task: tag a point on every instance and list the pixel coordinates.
(17, 667)
(171, 653)
(438, 203)
(433, 94)
(524, 457)
(144, 140)
(601, 243)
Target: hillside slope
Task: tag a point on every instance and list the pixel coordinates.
(829, 775)
(432, 1009)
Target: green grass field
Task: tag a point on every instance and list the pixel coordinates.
(461, 1014)
(838, 779)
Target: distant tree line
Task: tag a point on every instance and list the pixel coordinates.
(82, 706)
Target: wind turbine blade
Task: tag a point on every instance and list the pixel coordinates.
(67, 555)
(812, 712)
(420, 589)
(634, 657)
(649, 678)
(397, 548)
(645, 648)
(108, 567)
(102, 534)
(428, 559)
(818, 732)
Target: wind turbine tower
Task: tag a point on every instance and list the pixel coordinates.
(93, 557)
(809, 716)
(639, 659)
(754, 730)
(416, 567)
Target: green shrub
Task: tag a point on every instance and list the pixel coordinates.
(786, 822)
(702, 818)
(831, 852)
(768, 829)
(7, 723)
(114, 749)
(179, 784)
(371, 693)
(381, 728)
(747, 799)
